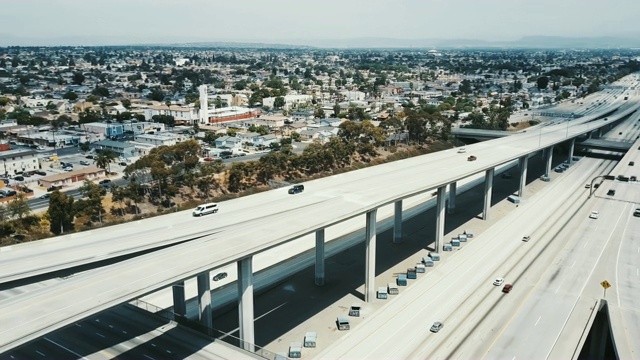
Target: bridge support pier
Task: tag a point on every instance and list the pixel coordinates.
(370, 261)
(397, 222)
(599, 133)
(488, 190)
(245, 303)
(572, 147)
(204, 300)
(549, 156)
(451, 206)
(320, 257)
(440, 217)
(179, 303)
(523, 163)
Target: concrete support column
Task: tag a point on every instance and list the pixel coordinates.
(397, 222)
(572, 147)
(440, 217)
(451, 208)
(320, 257)
(488, 190)
(179, 303)
(549, 160)
(245, 303)
(204, 300)
(370, 262)
(523, 163)
(599, 133)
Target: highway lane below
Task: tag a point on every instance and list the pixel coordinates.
(411, 314)
(129, 333)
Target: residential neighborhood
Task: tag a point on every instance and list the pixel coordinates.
(179, 125)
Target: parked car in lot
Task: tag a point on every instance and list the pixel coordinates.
(18, 178)
(53, 188)
(437, 326)
(84, 162)
(40, 172)
(296, 189)
(594, 214)
(105, 182)
(611, 192)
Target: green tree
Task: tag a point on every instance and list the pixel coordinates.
(157, 95)
(91, 205)
(319, 113)
(104, 158)
(465, 87)
(279, 102)
(84, 147)
(542, 82)
(18, 207)
(101, 91)
(60, 212)
(70, 95)
(78, 78)
(336, 110)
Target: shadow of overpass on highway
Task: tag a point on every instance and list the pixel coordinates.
(283, 306)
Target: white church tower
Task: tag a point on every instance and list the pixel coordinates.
(204, 105)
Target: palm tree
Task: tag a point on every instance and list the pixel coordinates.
(104, 158)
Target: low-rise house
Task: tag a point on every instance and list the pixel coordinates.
(122, 149)
(265, 140)
(107, 129)
(68, 178)
(247, 137)
(295, 127)
(334, 122)
(229, 142)
(161, 139)
(18, 161)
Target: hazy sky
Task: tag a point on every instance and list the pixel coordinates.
(135, 21)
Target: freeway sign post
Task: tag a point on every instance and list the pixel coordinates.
(605, 285)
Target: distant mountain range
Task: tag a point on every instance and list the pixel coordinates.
(536, 42)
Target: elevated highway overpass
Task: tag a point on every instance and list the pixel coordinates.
(148, 234)
(325, 203)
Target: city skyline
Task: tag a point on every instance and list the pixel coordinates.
(75, 22)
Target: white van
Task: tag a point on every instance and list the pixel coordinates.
(205, 209)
